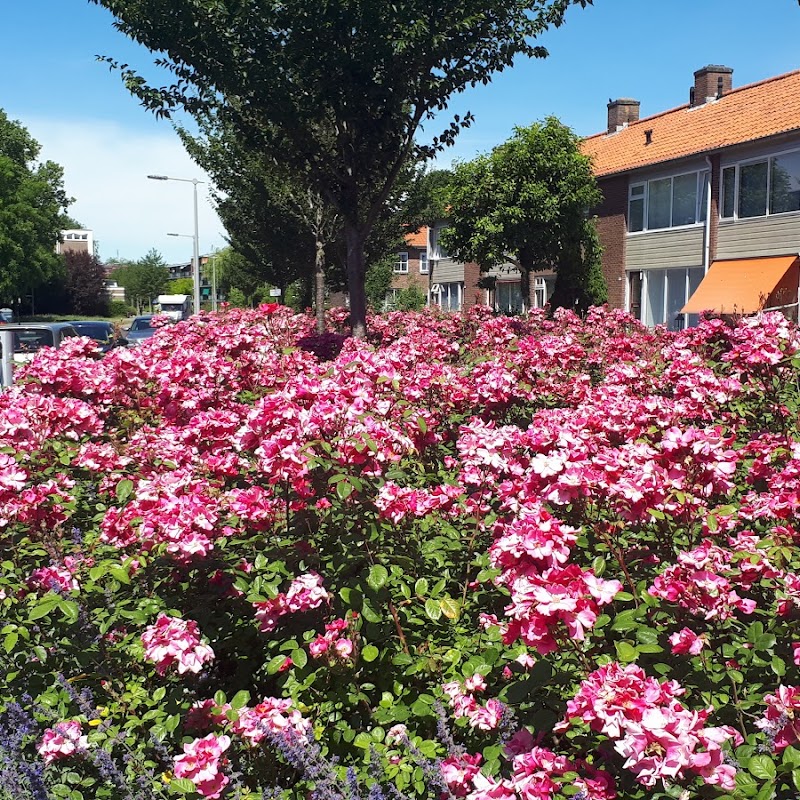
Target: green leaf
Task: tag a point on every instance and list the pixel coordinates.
(44, 607)
(124, 490)
(242, 698)
(762, 767)
(433, 609)
(69, 609)
(626, 652)
(10, 641)
(421, 587)
(120, 573)
(182, 786)
(369, 613)
(450, 608)
(344, 489)
(275, 664)
(370, 653)
(378, 575)
(299, 657)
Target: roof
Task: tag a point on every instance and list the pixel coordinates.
(418, 238)
(50, 326)
(740, 286)
(747, 114)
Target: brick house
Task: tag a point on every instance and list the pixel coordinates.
(701, 206)
(411, 267)
(455, 286)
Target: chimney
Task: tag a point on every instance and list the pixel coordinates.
(622, 112)
(710, 83)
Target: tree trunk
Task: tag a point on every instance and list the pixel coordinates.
(319, 285)
(525, 288)
(356, 271)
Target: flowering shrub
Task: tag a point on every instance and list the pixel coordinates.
(474, 557)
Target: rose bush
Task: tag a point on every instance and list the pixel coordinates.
(474, 557)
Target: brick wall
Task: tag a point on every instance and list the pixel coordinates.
(711, 81)
(403, 280)
(612, 230)
(473, 295)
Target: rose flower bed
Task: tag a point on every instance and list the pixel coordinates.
(475, 557)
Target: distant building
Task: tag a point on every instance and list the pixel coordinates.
(701, 206)
(410, 268)
(76, 241)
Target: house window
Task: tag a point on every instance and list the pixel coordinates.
(753, 190)
(728, 191)
(662, 294)
(423, 263)
(449, 296)
(390, 300)
(508, 297)
(437, 251)
(784, 190)
(761, 188)
(667, 202)
(401, 265)
(636, 208)
(542, 291)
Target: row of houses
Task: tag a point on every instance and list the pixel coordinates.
(701, 210)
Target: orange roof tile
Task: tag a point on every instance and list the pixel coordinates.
(746, 114)
(418, 238)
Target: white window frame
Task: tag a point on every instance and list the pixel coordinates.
(401, 265)
(737, 166)
(424, 266)
(700, 206)
(645, 288)
(539, 293)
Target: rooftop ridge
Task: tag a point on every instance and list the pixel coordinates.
(737, 90)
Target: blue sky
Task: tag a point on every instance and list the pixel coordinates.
(86, 120)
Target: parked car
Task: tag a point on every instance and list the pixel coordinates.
(30, 337)
(6, 316)
(103, 332)
(140, 329)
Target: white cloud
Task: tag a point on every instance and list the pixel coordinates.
(105, 169)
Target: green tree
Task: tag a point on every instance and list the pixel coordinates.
(181, 286)
(144, 279)
(527, 203)
(411, 298)
(32, 209)
(271, 213)
(378, 281)
(337, 92)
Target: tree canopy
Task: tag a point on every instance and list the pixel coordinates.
(32, 212)
(336, 91)
(527, 203)
(143, 280)
(85, 283)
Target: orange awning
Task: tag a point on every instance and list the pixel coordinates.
(745, 285)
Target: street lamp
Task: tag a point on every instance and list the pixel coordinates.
(196, 237)
(213, 261)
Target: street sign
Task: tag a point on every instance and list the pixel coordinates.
(274, 292)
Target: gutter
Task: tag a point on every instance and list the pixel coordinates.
(707, 228)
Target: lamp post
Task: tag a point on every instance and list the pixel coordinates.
(196, 237)
(213, 261)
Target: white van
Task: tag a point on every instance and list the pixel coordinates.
(177, 306)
